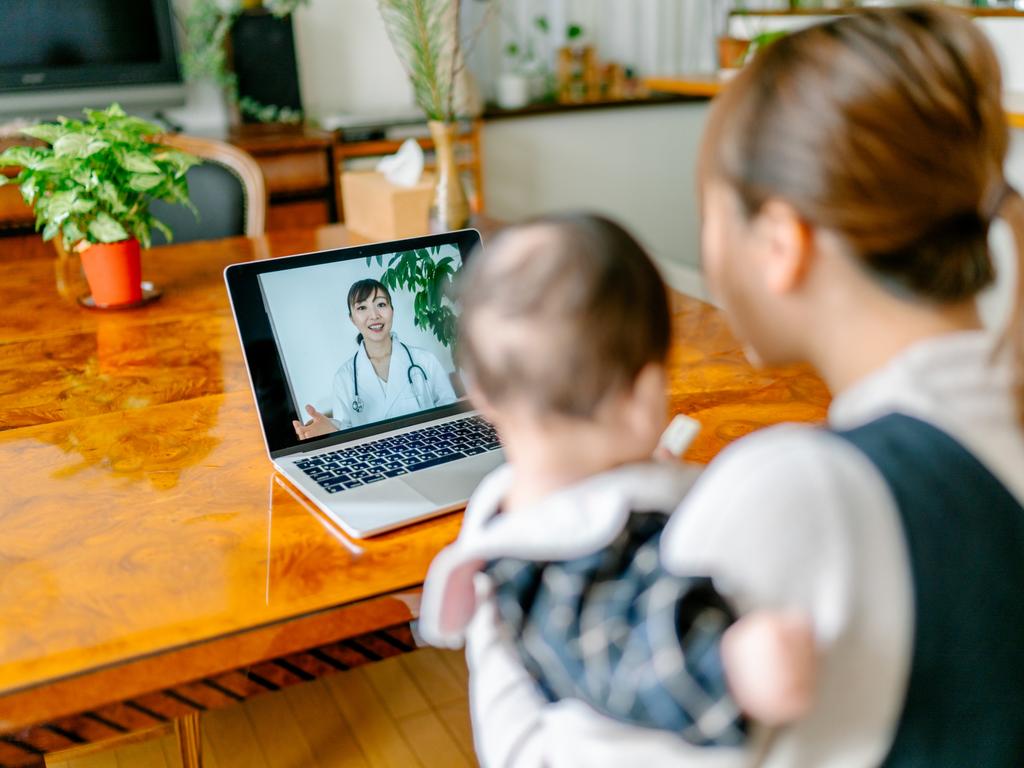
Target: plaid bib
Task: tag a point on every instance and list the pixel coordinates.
(618, 632)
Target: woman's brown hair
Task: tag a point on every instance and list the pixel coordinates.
(885, 127)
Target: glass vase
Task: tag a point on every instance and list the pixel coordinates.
(450, 207)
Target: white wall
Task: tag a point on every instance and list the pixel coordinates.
(346, 62)
(636, 164)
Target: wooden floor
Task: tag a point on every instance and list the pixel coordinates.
(403, 712)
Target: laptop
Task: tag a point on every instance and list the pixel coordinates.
(392, 438)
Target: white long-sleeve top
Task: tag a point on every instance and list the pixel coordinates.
(790, 517)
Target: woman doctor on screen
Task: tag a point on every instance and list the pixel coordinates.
(385, 378)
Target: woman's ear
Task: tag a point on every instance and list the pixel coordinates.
(787, 246)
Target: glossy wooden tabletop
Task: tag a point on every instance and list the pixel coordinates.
(140, 516)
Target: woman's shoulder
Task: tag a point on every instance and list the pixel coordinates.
(789, 477)
(417, 350)
(786, 448)
(789, 515)
(344, 371)
(423, 356)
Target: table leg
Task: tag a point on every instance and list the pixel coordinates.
(190, 741)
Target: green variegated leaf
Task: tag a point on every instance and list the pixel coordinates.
(141, 231)
(50, 231)
(59, 206)
(23, 156)
(29, 189)
(179, 161)
(86, 177)
(145, 181)
(164, 229)
(72, 234)
(105, 230)
(48, 132)
(112, 197)
(71, 145)
(52, 165)
(137, 162)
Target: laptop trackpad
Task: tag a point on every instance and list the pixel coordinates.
(455, 482)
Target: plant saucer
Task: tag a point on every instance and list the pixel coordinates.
(150, 293)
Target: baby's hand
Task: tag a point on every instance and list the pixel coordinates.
(771, 665)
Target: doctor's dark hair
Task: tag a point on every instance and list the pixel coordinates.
(362, 290)
(573, 309)
(885, 128)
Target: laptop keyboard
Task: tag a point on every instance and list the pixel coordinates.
(400, 454)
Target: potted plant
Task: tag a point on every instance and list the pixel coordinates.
(426, 35)
(514, 85)
(206, 57)
(525, 76)
(90, 189)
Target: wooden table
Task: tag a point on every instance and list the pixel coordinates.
(146, 544)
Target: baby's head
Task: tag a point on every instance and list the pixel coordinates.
(565, 321)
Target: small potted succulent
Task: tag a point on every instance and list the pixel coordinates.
(90, 189)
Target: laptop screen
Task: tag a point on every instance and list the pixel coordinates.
(360, 340)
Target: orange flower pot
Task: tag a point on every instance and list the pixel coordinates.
(114, 272)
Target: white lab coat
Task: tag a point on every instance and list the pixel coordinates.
(397, 396)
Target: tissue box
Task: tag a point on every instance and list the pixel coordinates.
(378, 209)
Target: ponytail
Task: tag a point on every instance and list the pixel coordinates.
(1011, 210)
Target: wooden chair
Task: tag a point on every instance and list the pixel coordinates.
(228, 190)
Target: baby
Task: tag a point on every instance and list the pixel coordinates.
(556, 576)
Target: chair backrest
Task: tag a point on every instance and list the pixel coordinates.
(228, 190)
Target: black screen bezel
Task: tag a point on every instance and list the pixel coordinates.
(263, 361)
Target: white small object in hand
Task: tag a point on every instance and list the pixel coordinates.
(679, 434)
(405, 167)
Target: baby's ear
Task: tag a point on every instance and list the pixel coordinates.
(650, 383)
(480, 401)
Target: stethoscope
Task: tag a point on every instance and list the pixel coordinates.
(357, 401)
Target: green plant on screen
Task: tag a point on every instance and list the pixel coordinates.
(431, 284)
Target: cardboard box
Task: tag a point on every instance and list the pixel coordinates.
(376, 208)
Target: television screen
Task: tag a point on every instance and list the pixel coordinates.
(66, 33)
(85, 50)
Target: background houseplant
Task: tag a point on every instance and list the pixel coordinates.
(205, 58)
(526, 76)
(91, 188)
(426, 35)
